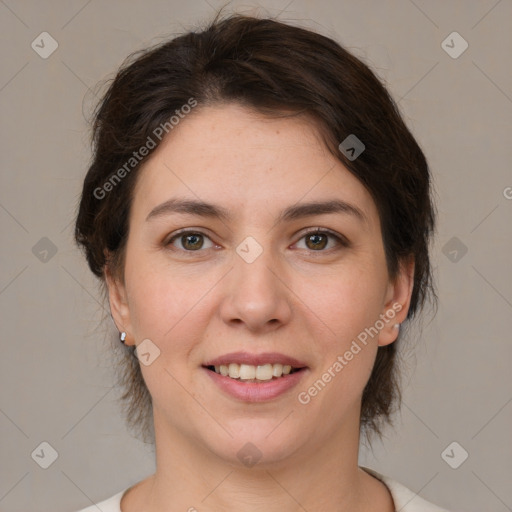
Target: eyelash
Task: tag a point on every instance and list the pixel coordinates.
(342, 241)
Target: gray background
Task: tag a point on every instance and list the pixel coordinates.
(56, 375)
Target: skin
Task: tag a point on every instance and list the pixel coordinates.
(295, 299)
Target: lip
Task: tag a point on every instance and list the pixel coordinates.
(255, 359)
(256, 391)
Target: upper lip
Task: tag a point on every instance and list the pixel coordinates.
(255, 359)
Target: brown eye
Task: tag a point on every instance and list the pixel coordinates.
(194, 241)
(191, 241)
(318, 240)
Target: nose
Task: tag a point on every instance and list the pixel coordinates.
(256, 295)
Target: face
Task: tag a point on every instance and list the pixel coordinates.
(259, 277)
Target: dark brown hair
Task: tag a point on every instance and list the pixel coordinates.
(273, 68)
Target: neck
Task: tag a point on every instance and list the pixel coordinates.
(320, 477)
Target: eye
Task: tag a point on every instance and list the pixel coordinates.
(191, 241)
(318, 239)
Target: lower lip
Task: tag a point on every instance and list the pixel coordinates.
(255, 391)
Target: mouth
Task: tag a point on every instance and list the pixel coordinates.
(252, 373)
(255, 377)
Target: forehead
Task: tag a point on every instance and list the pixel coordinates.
(232, 155)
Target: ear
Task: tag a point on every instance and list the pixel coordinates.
(119, 304)
(398, 299)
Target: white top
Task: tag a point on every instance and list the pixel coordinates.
(404, 499)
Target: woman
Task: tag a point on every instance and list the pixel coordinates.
(260, 216)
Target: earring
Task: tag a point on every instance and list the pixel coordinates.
(397, 326)
(122, 337)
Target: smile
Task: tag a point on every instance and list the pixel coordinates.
(251, 373)
(255, 377)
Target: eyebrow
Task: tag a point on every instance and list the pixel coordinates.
(298, 211)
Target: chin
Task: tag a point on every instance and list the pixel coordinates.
(262, 443)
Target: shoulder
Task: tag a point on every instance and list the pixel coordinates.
(405, 500)
(112, 504)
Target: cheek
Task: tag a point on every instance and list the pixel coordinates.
(167, 309)
(343, 309)
(155, 306)
(346, 303)
(162, 300)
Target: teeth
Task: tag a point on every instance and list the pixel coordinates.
(264, 372)
(234, 370)
(250, 372)
(247, 372)
(277, 370)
